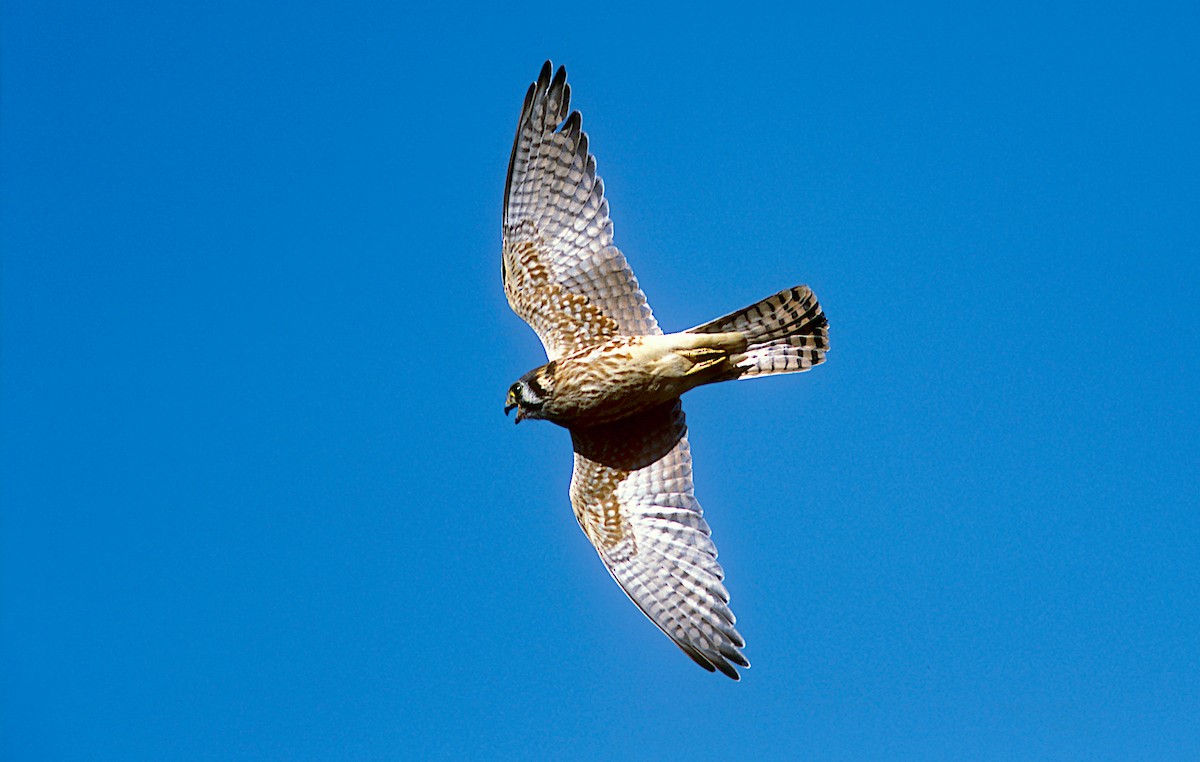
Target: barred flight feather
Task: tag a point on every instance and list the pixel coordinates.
(786, 333)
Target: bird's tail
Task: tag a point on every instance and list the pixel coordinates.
(784, 333)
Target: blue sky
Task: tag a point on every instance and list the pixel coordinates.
(260, 500)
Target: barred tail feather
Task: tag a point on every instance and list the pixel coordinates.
(785, 333)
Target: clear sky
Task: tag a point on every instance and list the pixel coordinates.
(260, 500)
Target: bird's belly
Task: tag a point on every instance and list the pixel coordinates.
(619, 379)
(605, 390)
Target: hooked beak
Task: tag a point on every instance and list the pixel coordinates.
(520, 413)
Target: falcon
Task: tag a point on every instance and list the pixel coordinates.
(614, 379)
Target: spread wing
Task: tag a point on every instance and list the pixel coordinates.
(562, 274)
(633, 496)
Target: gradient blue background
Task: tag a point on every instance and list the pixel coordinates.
(260, 500)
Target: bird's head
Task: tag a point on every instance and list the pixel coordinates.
(531, 392)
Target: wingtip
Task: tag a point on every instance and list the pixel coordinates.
(716, 662)
(727, 669)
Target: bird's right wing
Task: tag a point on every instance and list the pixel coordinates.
(561, 272)
(633, 496)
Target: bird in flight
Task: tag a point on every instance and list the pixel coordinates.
(614, 379)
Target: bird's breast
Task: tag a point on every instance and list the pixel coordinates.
(618, 378)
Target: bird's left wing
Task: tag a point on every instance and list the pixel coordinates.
(633, 496)
(561, 272)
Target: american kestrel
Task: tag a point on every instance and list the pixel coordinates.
(614, 379)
